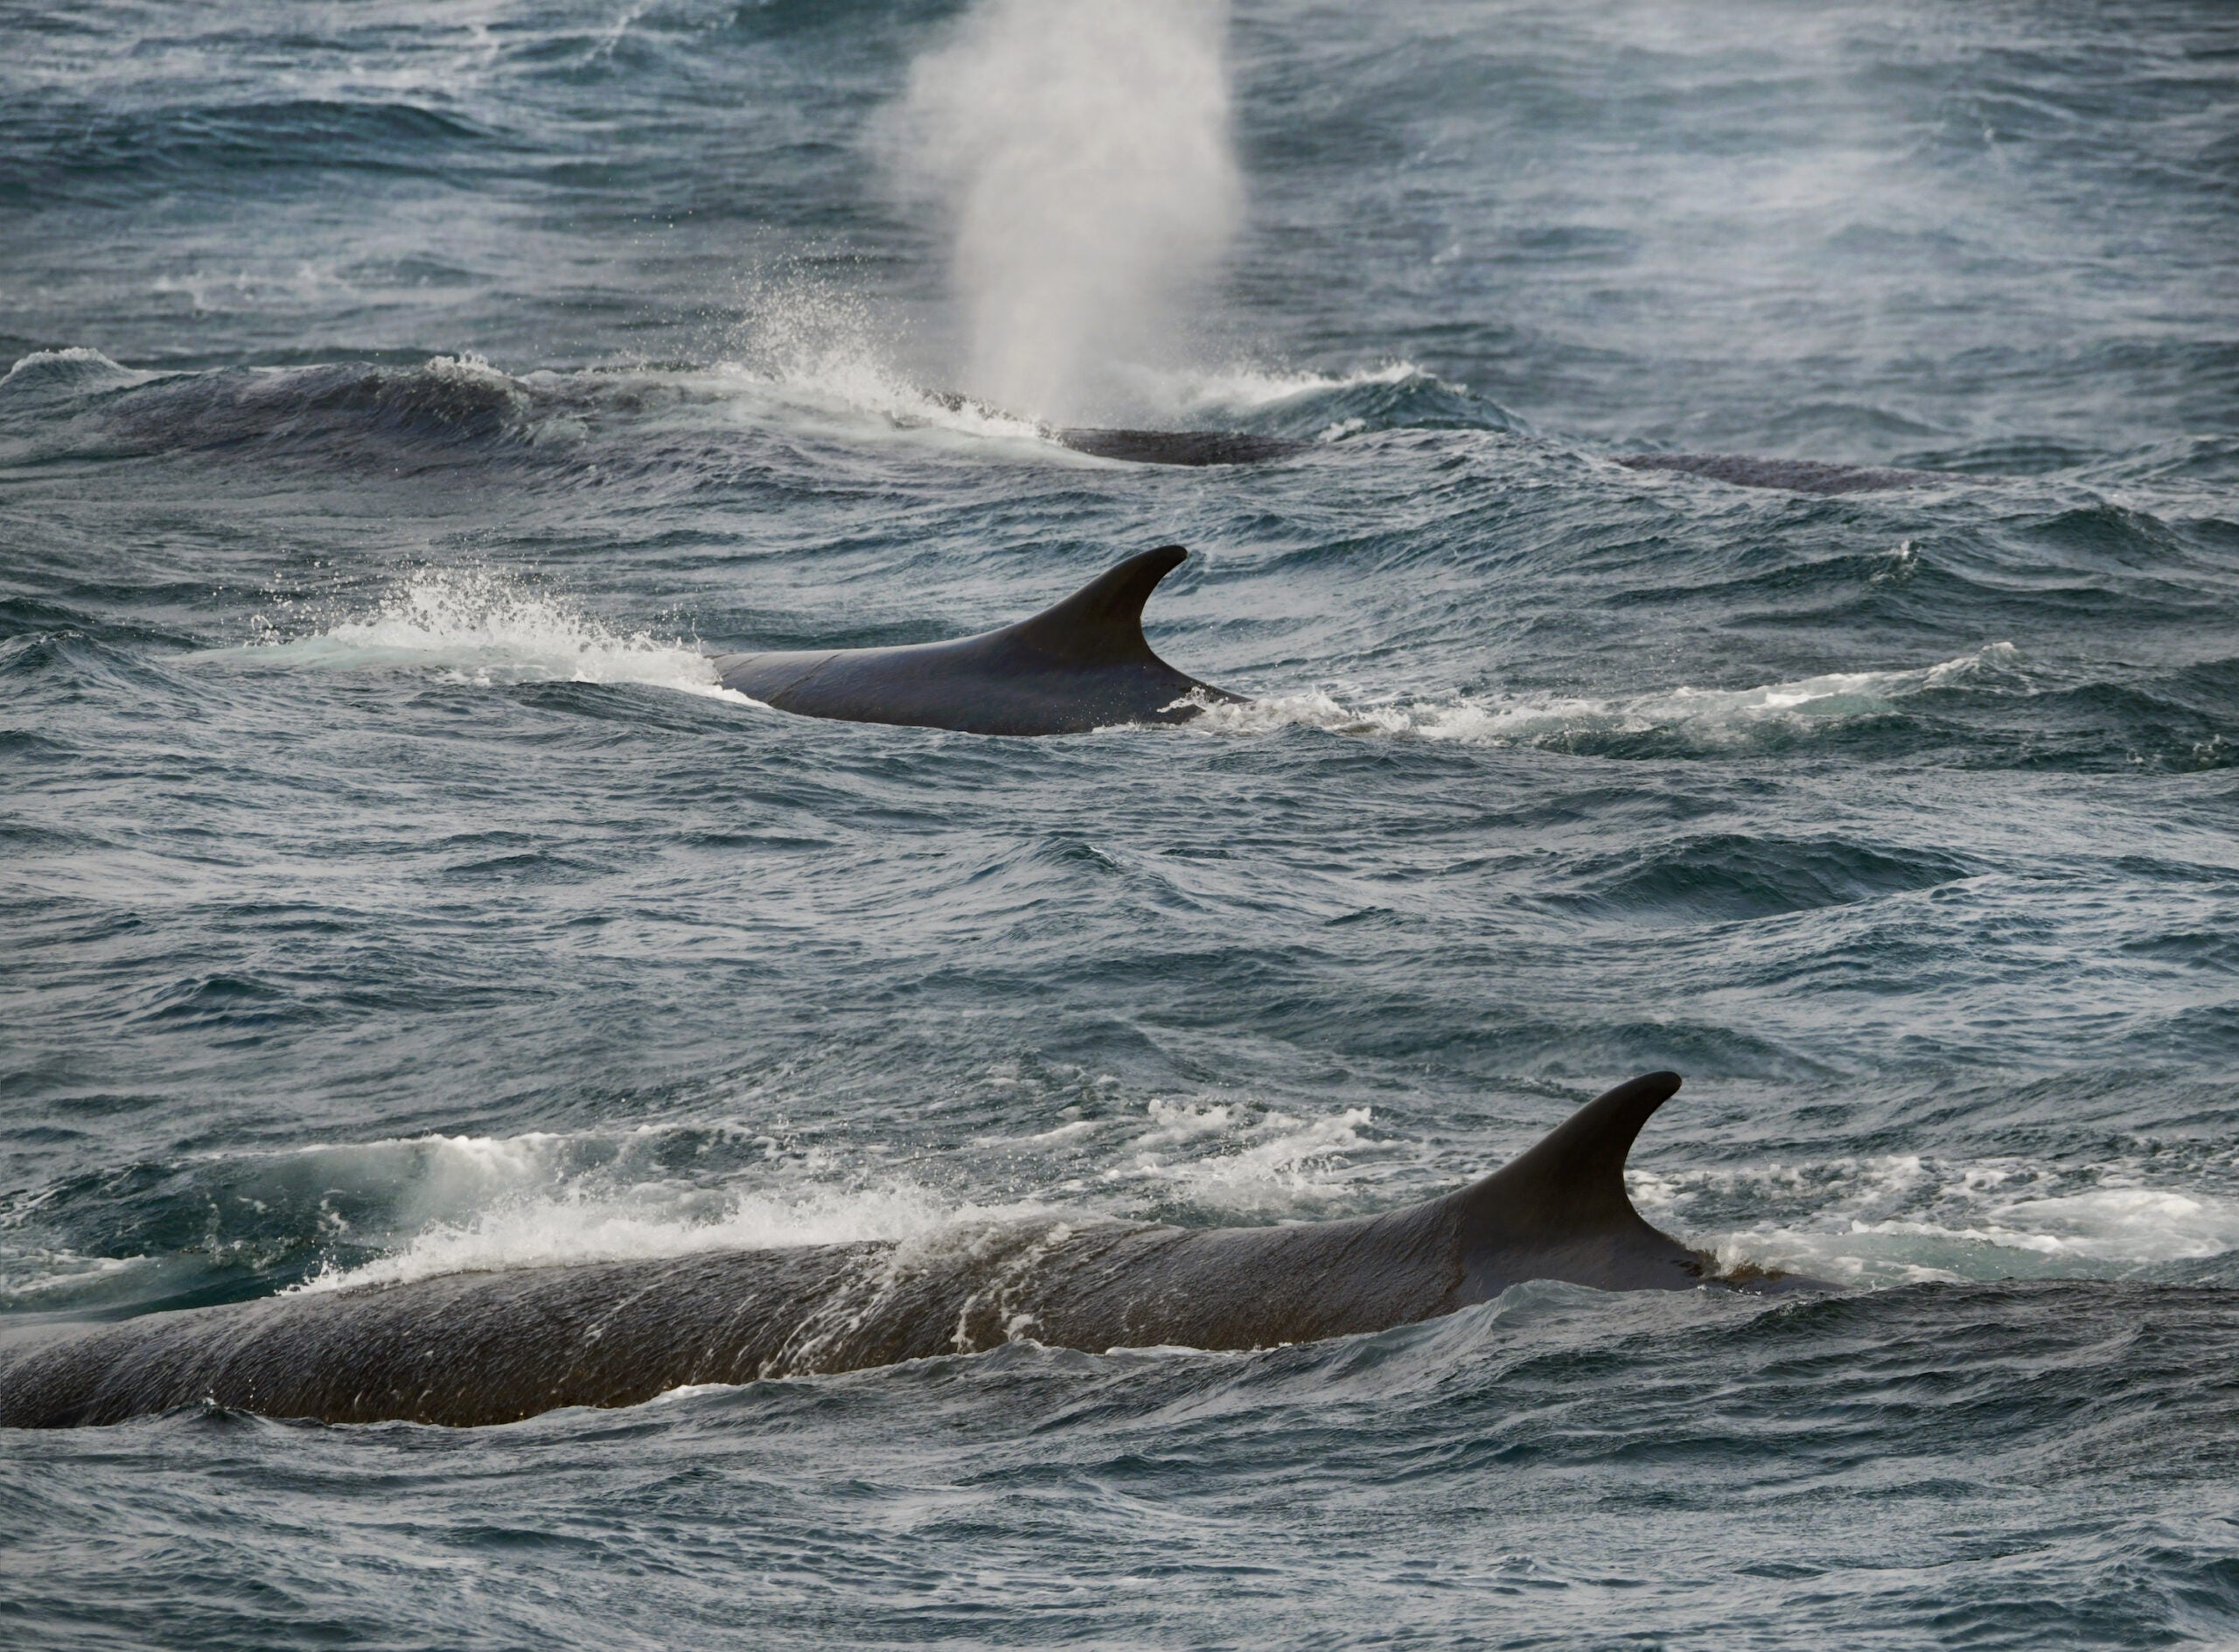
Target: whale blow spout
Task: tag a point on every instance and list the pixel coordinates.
(470, 1349)
(1083, 664)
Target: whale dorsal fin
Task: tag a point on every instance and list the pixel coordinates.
(1572, 1182)
(1102, 623)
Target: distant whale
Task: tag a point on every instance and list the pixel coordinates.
(1178, 447)
(472, 1348)
(1081, 665)
(1795, 476)
(1139, 447)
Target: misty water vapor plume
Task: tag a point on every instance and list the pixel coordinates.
(1081, 155)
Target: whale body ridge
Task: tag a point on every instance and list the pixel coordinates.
(484, 1347)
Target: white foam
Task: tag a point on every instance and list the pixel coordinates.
(817, 366)
(468, 366)
(1250, 389)
(2126, 1224)
(689, 1390)
(30, 1272)
(1230, 1156)
(468, 1203)
(852, 382)
(1903, 1218)
(77, 366)
(485, 1204)
(1708, 716)
(486, 628)
(417, 1180)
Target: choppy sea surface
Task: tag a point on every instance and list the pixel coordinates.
(406, 397)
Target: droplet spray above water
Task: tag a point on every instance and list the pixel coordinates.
(1081, 159)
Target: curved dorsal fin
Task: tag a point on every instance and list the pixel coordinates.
(1102, 623)
(1573, 1180)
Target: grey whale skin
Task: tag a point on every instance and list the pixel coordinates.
(474, 1349)
(1080, 665)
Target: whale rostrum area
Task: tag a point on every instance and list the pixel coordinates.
(1135, 446)
(1083, 664)
(472, 1348)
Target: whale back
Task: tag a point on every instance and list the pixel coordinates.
(1081, 664)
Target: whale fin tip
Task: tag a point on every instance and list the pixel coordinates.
(1102, 623)
(1574, 1177)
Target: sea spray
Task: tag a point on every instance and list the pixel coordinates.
(1081, 158)
(485, 627)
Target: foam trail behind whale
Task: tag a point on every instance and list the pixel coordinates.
(1082, 158)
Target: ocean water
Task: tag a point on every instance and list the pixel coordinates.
(406, 397)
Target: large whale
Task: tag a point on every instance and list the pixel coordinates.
(472, 1348)
(1081, 665)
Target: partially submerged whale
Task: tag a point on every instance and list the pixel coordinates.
(1136, 446)
(1178, 447)
(1081, 665)
(472, 1348)
(1795, 476)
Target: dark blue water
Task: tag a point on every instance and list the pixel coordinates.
(405, 396)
